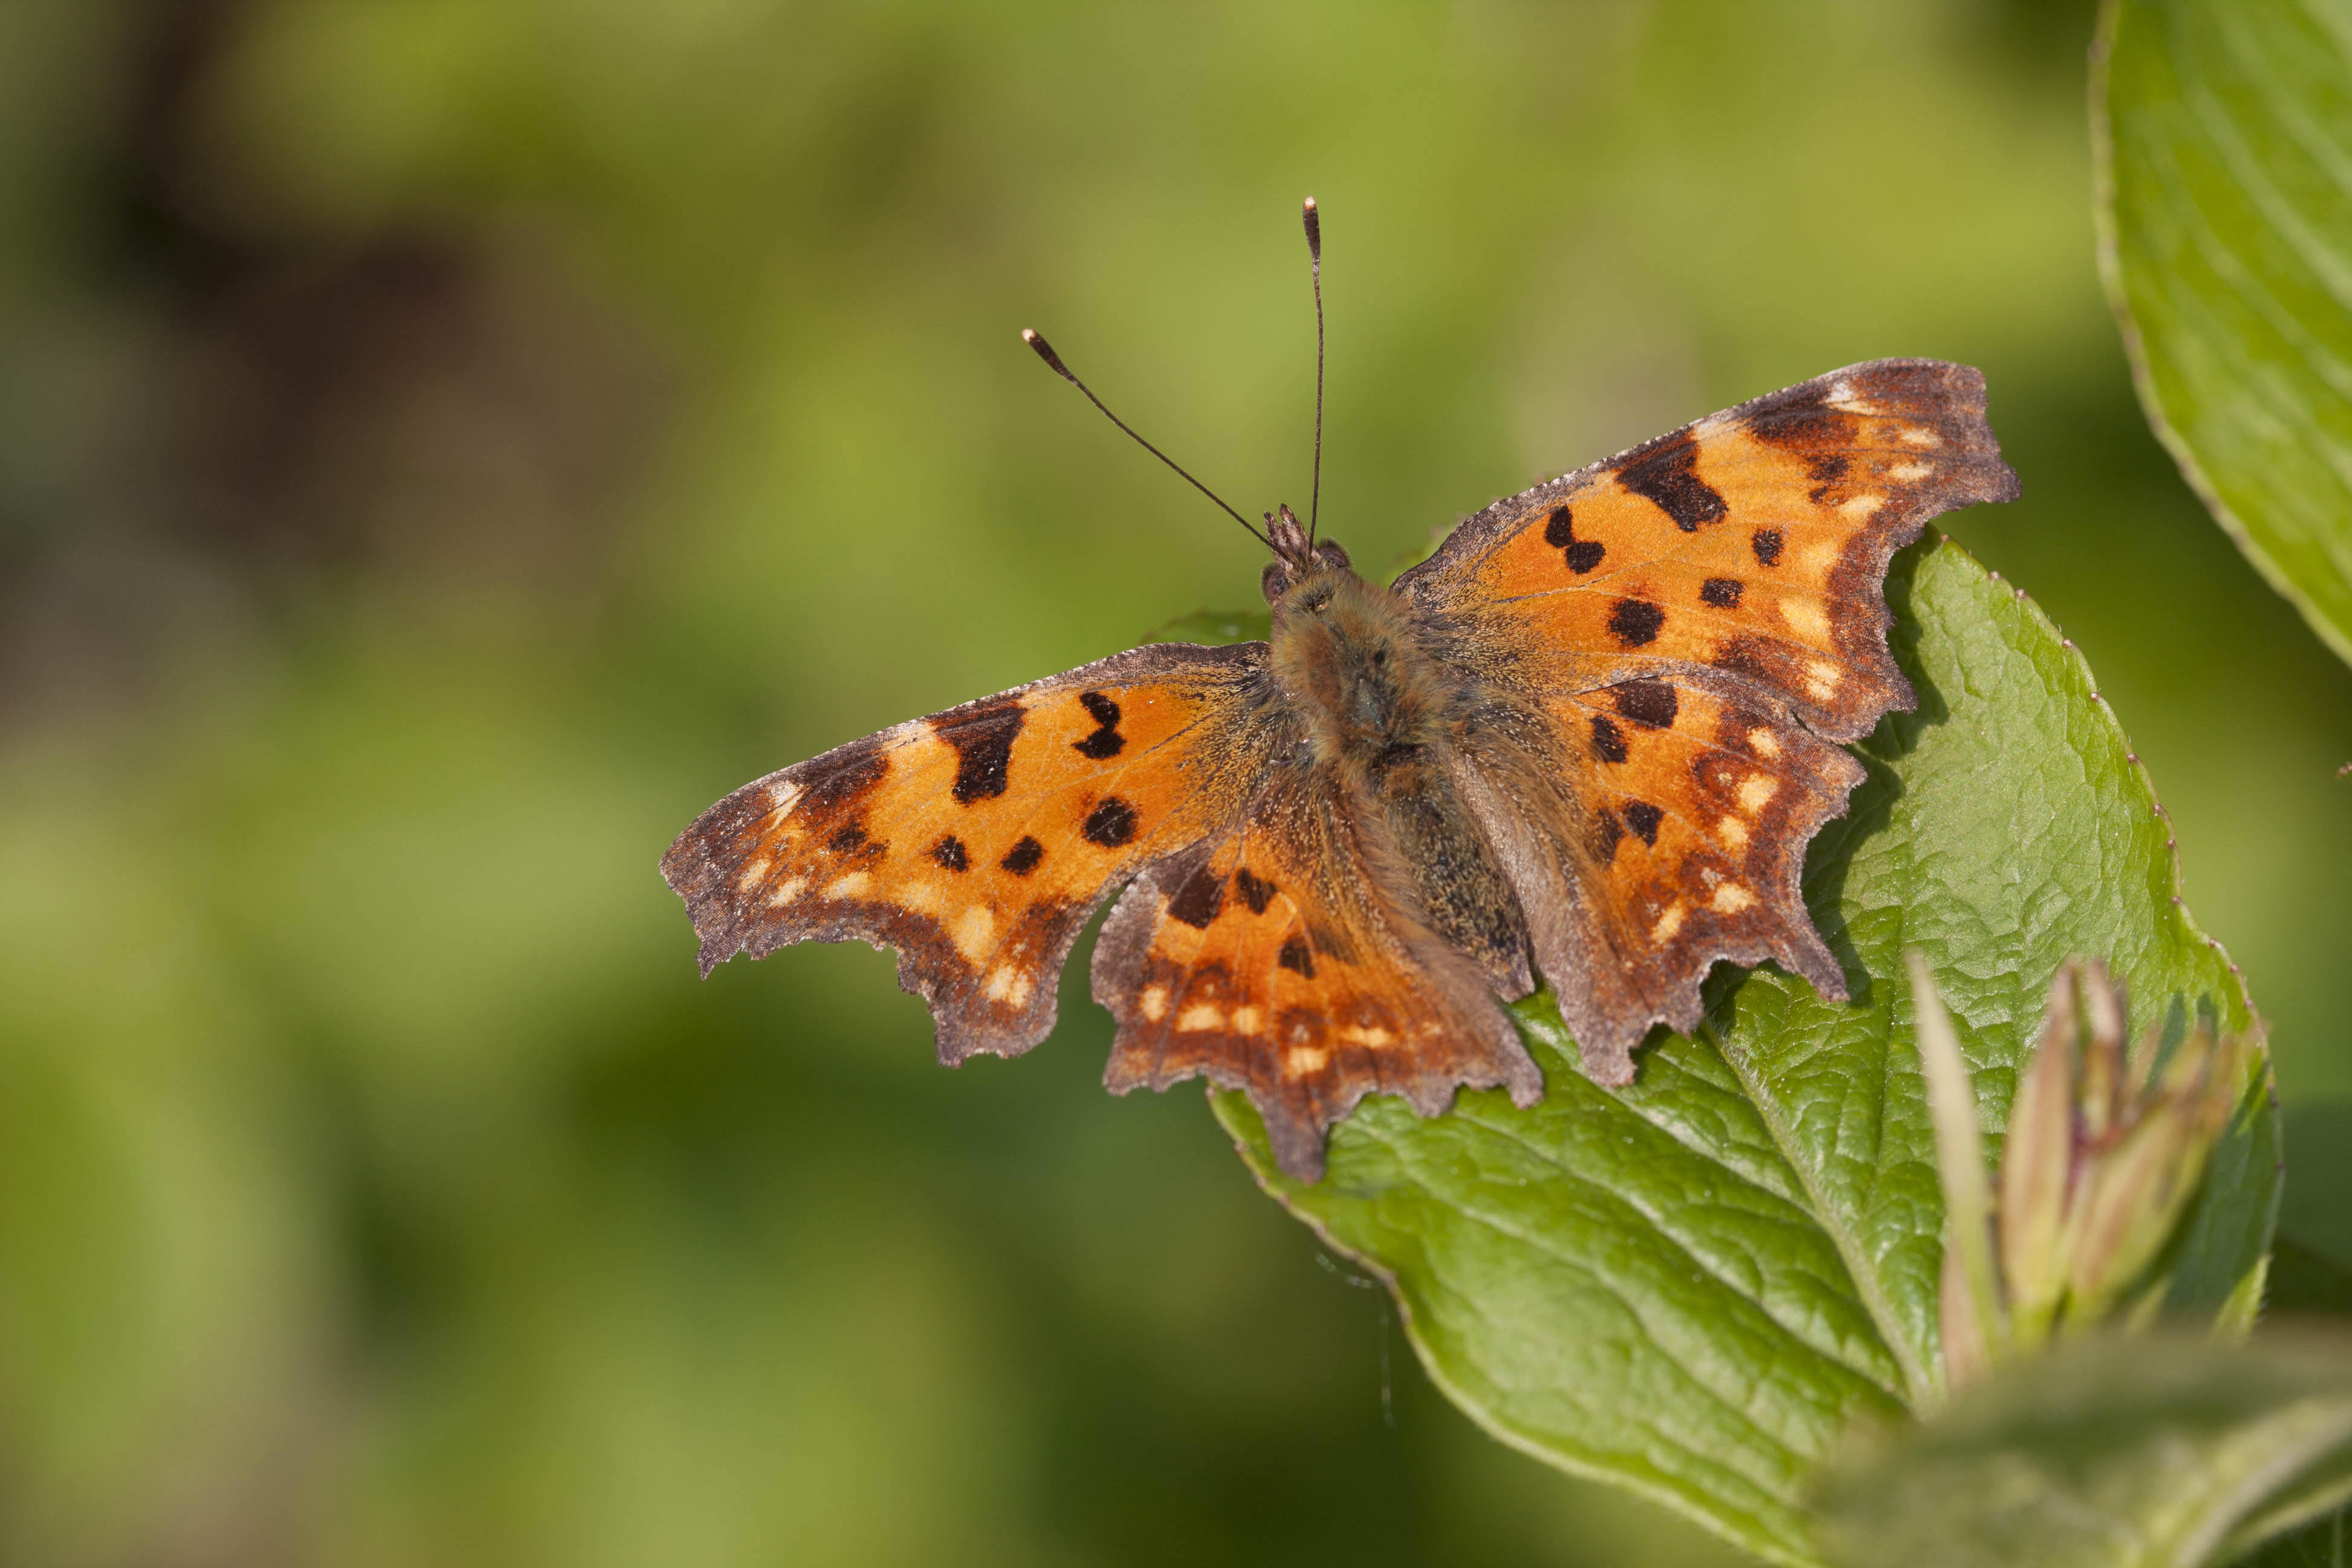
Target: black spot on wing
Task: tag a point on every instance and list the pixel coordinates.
(951, 853)
(1723, 592)
(1196, 903)
(1110, 824)
(1255, 891)
(1635, 621)
(1608, 741)
(1297, 957)
(1652, 704)
(1801, 417)
(1643, 819)
(1668, 476)
(847, 839)
(1581, 555)
(1606, 832)
(982, 739)
(836, 781)
(1767, 544)
(1023, 858)
(1106, 741)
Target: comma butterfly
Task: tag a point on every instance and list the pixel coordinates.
(1588, 740)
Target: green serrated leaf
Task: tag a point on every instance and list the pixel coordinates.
(1698, 1285)
(2149, 1453)
(2225, 207)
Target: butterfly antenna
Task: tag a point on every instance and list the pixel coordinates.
(1313, 219)
(1046, 352)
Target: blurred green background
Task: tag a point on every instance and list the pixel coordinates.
(445, 443)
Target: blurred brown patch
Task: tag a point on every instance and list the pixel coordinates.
(444, 408)
(452, 406)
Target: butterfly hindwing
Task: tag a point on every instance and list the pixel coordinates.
(1268, 959)
(1690, 624)
(978, 840)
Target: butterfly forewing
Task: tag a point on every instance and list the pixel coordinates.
(977, 841)
(1752, 544)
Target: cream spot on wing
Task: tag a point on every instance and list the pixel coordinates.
(1821, 680)
(972, 930)
(1731, 898)
(921, 896)
(787, 891)
(1806, 618)
(1200, 1016)
(752, 873)
(1244, 1021)
(1732, 831)
(1920, 435)
(1764, 742)
(1668, 923)
(1370, 1036)
(1820, 558)
(1300, 1060)
(783, 796)
(1860, 507)
(1755, 790)
(1009, 985)
(847, 887)
(1153, 1003)
(1906, 473)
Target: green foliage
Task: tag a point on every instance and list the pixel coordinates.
(1697, 1287)
(2226, 210)
(2149, 1453)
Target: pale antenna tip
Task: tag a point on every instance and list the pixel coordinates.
(1046, 352)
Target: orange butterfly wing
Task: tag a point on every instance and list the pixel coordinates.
(977, 841)
(1691, 622)
(1268, 959)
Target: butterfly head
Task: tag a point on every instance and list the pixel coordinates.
(1297, 558)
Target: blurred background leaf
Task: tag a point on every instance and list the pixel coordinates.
(1698, 1286)
(445, 445)
(2112, 1454)
(2225, 181)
